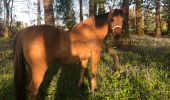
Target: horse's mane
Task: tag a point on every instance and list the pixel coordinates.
(99, 20)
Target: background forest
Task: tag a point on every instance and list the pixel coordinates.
(143, 48)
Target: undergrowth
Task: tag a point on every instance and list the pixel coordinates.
(144, 75)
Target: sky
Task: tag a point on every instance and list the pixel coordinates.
(22, 9)
(25, 10)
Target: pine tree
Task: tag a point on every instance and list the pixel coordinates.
(139, 23)
(81, 10)
(125, 6)
(92, 7)
(48, 12)
(101, 8)
(38, 13)
(158, 19)
(65, 11)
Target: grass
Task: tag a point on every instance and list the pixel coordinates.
(144, 74)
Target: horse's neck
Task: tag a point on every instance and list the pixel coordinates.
(101, 30)
(89, 27)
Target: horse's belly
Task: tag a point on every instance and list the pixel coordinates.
(68, 60)
(74, 54)
(82, 51)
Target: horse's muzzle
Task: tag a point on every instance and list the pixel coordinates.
(116, 32)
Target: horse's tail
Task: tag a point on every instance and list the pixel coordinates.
(19, 69)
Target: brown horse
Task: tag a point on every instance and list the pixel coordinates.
(40, 46)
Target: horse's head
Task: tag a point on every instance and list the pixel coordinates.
(116, 21)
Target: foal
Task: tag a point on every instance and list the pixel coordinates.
(40, 46)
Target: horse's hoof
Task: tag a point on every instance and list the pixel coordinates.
(93, 91)
(116, 68)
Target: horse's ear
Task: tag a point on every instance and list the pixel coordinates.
(110, 13)
(111, 9)
(123, 10)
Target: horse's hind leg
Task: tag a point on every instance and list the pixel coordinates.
(83, 70)
(38, 73)
(95, 61)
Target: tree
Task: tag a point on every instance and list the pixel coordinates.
(139, 23)
(92, 7)
(1, 9)
(38, 13)
(11, 16)
(158, 19)
(7, 6)
(65, 11)
(101, 8)
(125, 6)
(166, 10)
(81, 10)
(149, 16)
(169, 24)
(48, 12)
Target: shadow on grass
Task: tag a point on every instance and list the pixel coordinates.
(159, 55)
(66, 78)
(6, 89)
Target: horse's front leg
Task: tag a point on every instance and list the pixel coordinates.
(115, 58)
(83, 70)
(95, 61)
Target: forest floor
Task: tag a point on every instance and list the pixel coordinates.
(144, 74)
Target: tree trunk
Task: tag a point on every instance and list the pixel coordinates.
(70, 15)
(11, 14)
(81, 10)
(92, 7)
(101, 8)
(169, 24)
(48, 12)
(38, 13)
(1, 7)
(158, 19)
(126, 17)
(139, 23)
(6, 32)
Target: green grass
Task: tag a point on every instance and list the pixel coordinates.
(144, 74)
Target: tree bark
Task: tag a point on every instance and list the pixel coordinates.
(6, 33)
(169, 24)
(101, 8)
(125, 31)
(11, 17)
(38, 13)
(81, 10)
(92, 7)
(139, 23)
(158, 19)
(48, 12)
(1, 7)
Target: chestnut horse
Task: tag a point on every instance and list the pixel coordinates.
(40, 46)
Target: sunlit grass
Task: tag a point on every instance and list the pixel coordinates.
(144, 74)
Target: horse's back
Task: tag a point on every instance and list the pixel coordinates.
(39, 43)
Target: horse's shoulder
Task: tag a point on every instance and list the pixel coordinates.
(86, 21)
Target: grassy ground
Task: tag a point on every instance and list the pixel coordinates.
(144, 74)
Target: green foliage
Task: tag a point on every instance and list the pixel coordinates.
(144, 74)
(6, 71)
(149, 22)
(65, 12)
